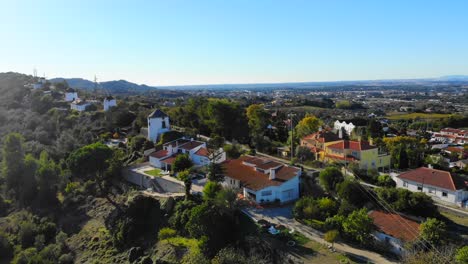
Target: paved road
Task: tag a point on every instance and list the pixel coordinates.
(284, 217)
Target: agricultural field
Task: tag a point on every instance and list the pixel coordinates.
(404, 116)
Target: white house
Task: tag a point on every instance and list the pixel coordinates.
(109, 102)
(338, 126)
(394, 230)
(71, 95)
(158, 123)
(196, 150)
(262, 180)
(438, 184)
(79, 105)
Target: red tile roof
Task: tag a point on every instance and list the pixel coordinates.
(454, 149)
(202, 152)
(322, 137)
(348, 158)
(169, 160)
(432, 177)
(191, 145)
(395, 225)
(159, 154)
(354, 145)
(253, 179)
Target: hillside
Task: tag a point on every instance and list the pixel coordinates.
(119, 87)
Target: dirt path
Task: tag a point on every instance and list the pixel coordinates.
(283, 216)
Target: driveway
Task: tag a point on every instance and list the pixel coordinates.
(283, 216)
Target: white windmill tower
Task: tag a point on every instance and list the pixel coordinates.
(109, 101)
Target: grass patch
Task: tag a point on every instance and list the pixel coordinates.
(154, 172)
(300, 238)
(193, 245)
(399, 116)
(456, 219)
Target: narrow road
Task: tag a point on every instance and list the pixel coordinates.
(283, 216)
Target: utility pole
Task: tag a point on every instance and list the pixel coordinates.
(291, 115)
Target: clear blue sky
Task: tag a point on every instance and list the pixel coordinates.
(240, 41)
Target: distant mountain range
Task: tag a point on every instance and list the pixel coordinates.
(122, 86)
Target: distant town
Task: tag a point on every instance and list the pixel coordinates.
(360, 172)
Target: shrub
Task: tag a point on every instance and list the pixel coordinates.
(6, 249)
(166, 233)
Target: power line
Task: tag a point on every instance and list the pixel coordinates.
(389, 209)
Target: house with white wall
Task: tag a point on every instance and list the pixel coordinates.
(79, 105)
(262, 180)
(440, 185)
(196, 150)
(71, 95)
(109, 102)
(394, 230)
(158, 123)
(339, 126)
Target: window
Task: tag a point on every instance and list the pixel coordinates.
(405, 184)
(444, 194)
(163, 124)
(420, 188)
(267, 193)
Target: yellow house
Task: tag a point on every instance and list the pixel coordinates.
(317, 142)
(360, 152)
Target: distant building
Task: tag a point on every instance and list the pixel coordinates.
(196, 150)
(438, 184)
(71, 95)
(158, 123)
(451, 136)
(317, 142)
(393, 230)
(79, 105)
(109, 102)
(364, 154)
(262, 180)
(462, 163)
(339, 126)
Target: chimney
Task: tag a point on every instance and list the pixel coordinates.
(320, 129)
(430, 166)
(371, 141)
(272, 174)
(191, 139)
(340, 133)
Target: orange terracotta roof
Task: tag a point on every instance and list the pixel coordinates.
(354, 145)
(395, 225)
(432, 177)
(202, 152)
(191, 145)
(454, 149)
(348, 158)
(253, 179)
(322, 137)
(169, 160)
(159, 154)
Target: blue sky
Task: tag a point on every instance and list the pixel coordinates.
(240, 41)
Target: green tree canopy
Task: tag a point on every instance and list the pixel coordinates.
(462, 255)
(186, 178)
(359, 226)
(433, 231)
(330, 177)
(182, 162)
(307, 125)
(210, 190)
